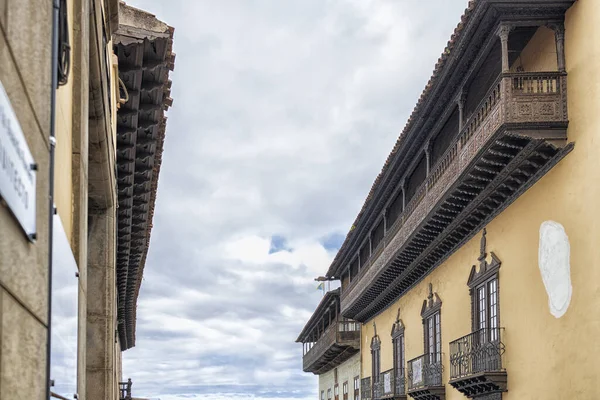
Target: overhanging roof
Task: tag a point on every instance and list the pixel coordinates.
(144, 47)
(398, 157)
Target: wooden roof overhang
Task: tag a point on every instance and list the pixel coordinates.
(144, 49)
(497, 155)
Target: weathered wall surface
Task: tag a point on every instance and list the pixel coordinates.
(25, 32)
(346, 373)
(25, 65)
(546, 357)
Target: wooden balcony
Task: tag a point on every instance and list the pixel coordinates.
(476, 363)
(517, 133)
(339, 341)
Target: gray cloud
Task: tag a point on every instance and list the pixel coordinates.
(284, 113)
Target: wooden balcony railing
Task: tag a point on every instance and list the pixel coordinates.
(480, 351)
(424, 372)
(343, 333)
(525, 101)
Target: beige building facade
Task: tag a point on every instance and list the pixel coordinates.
(342, 382)
(471, 264)
(64, 322)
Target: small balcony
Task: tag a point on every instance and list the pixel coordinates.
(390, 386)
(339, 341)
(425, 378)
(125, 390)
(476, 363)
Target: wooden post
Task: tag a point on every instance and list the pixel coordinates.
(559, 36)
(462, 97)
(503, 33)
(403, 189)
(428, 157)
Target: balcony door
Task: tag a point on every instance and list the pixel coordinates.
(483, 344)
(487, 310)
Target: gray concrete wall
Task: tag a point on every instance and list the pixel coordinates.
(25, 34)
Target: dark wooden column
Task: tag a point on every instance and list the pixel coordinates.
(460, 101)
(559, 35)
(503, 33)
(428, 156)
(403, 189)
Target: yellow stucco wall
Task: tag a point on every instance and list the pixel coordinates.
(545, 357)
(540, 53)
(63, 189)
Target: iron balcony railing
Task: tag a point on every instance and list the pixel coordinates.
(425, 371)
(399, 382)
(480, 351)
(385, 387)
(125, 390)
(365, 388)
(390, 383)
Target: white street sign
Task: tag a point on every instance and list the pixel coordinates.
(17, 168)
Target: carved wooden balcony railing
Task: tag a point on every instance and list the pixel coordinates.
(338, 342)
(425, 377)
(516, 134)
(476, 363)
(365, 388)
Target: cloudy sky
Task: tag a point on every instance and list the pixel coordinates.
(284, 112)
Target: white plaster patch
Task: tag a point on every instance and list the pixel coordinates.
(553, 259)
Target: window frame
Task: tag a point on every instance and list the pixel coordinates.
(399, 349)
(487, 274)
(375, 358)
(357, 387)
(432, 326)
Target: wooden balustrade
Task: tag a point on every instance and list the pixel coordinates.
(514, 99)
